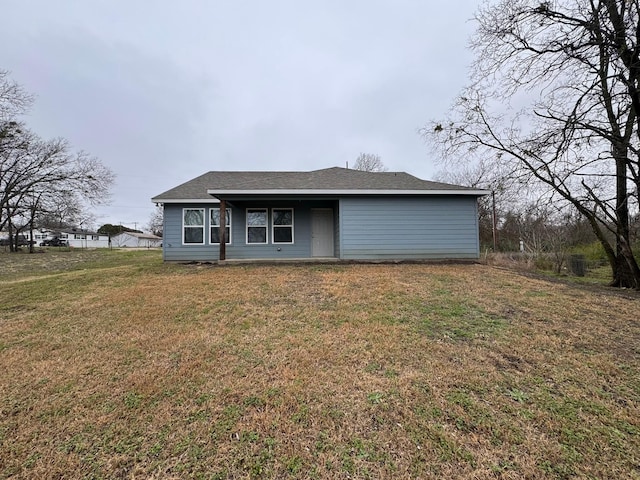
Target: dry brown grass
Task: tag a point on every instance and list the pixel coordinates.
(341, 371)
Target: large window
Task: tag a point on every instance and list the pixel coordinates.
(282, 224)
(257, 225)
(215, 226)
(193, 225)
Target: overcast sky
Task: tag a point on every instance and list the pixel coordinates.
(164, 91)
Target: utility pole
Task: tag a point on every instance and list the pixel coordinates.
(495, 224)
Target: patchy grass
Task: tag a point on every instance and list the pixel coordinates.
(55, 260)
(121, 366)
(598, 275)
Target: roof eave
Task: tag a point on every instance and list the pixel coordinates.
(472, 192)
(185, 200)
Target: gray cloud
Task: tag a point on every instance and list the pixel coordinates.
(162, 92)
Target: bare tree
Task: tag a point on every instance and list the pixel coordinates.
(14, 100)
(38, 177)
(156, 221)
(369, 162)
(60, 210)
(572, 69)
(506, 196)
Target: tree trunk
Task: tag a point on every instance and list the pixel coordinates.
(624, 275)
(31, 236)
(13, 241)
(626, 272)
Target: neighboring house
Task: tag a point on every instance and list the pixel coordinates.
(38, 236)
(73, 237)
(133, 239)
(329, 213)
(83, 238)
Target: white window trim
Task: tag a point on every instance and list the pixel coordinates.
(204, 220)
(266, 227)
(273, 227)
(212, 226)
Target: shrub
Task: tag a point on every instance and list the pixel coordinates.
(593, 253)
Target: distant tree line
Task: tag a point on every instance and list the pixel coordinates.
(112, 230)
(43, 183)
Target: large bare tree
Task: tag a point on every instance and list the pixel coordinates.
(38, 176)
(555, 101)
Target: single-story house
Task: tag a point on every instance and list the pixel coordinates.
(73, 237)
(137, 240)
(334, 213)
(79, 238)
(38, 235)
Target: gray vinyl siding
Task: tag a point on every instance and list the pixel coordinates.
(365, 228)
(300, 248)
(409, 228)
(172, 247)
(174, 250)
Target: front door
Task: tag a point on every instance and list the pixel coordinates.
(321, 232)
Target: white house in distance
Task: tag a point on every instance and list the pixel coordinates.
(84, 239)
(136, 240)
(74, 237)
(78, 238)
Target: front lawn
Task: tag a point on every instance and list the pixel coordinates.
(123, 367)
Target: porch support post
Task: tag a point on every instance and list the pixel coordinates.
(223, 229)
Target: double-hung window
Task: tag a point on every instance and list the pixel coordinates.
(193, 225)
(215, 226)
(282, 225)
(257, 225)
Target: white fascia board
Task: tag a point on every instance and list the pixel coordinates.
(185, 200)
(347, 192)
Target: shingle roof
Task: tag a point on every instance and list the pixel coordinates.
(327, 180)
(79, 231)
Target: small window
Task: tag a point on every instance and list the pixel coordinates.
(95, 237)
(282, 219)
(257, 225)
(215, 226)
(193, 225)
